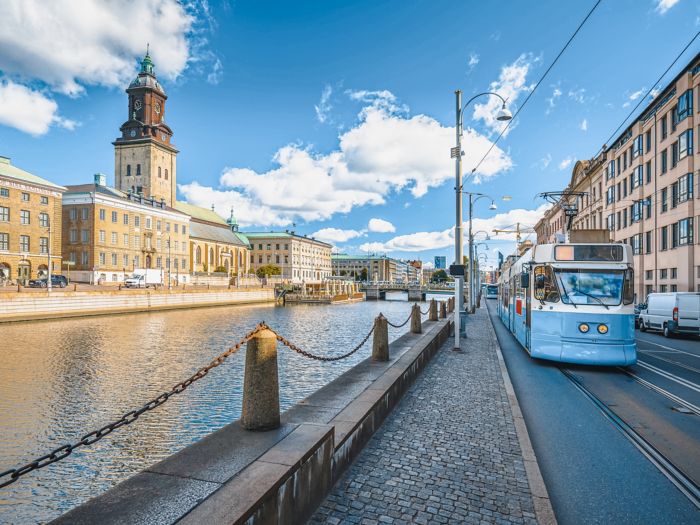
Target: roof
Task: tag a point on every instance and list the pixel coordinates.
(283, 235)
(346, 257)
(211, 232)
(202, 214)
(118, 194)
(13, 172)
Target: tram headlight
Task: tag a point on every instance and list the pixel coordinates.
(602, 329)
(583, 328)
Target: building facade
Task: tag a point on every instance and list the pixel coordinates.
(644, 188)
(300, 258)
(107, 234)
(375, 268)
(30, 225)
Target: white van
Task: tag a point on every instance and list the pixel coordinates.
(143, 278)
(672, 313)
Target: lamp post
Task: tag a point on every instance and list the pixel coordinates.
(48, 266)
(456, 153)
(170, 281)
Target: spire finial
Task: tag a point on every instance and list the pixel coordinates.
(148, 46)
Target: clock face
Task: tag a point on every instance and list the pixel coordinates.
(137, 104)
(132, 133)
(157, 108)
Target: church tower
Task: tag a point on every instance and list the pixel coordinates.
(144, 157)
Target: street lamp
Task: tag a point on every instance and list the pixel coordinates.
(48, 266)
(456, 153)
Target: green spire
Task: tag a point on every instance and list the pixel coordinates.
(147, 63)
(232, 222)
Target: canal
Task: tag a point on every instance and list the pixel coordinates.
(60, 379)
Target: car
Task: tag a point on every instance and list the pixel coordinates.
(59, 281)
(671, 313)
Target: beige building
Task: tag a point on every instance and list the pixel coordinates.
(376, 268)
(107, 234)
(643, 189)
(300, 258)
(30, 222)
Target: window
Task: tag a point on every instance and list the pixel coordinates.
(84, 258)
(619, 164)
(685, 231)
(166, 178)
(636, 211)
(685, 144)
(624, 161)
(648, 135)
(114, 259)
(610, 195)
(4, 214)
(177, 227)
(85, 213)
(664, 273)
(114, 216)
(126, 240)
(102, 258)
(682, 189)
(674, 154)
(259, 258)
(24, 243)
(138, 170)
(102, 236)
(637, 146)
(103, 214)
(43, 245)
(674, 287)
(158, 244)
(137, 221)
(664, 127)
(637, 177)
(269, 246)
(159, 225)
(649, 274)
(624, 187)
(114, 237)
(647, 206)
(4, 241)
(24, 217)
(160, 176)
(624, 218)
(126, 219)
(167, 227)
(610, 171)
(674, 273)
(5, 193)
(25, 197)
(664, 203)
(148, 223)
(685, 105)
(649, 172)
(44, 199)
(184, 229)
(618, 220)
(619, 192)
(85, 236)
(637, 244)
(664, 238)
(664, 288)
(73, 235)
(664, 161)
(44, 220)
(128, 170)
(73, 214)
(159, 262)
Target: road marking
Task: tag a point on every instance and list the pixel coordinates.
(687, 404)
(676, 363)
(668, 348)
(667, 375)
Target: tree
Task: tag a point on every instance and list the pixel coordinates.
(439, 276)
(363, 274)
(268, 270)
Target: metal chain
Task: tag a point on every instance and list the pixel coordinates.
(298, 350)
(10, 476)
(402, 324)
(426, 312)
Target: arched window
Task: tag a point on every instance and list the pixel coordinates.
(198, 257)
(166, 173)
(211, 255)
(159, 175)
(138, 169)
(128, 170)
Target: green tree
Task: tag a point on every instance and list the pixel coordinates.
(363, 275)
(268, 270)
(439, 277)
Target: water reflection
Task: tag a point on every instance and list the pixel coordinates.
(60, 379)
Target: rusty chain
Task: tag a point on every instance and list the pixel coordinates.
(10, 476)
(298, 350)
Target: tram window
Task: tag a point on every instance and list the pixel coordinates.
(628, 289)
(545, 287)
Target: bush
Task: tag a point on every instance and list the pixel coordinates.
(268, 270)
(220, 269)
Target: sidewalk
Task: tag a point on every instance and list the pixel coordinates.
(449, 453)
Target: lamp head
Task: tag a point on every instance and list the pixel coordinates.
(493, 206)
(504, 114)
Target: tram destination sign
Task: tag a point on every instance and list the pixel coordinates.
(457, 270)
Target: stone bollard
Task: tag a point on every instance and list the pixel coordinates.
(261, 396)
(415, 320)
(432, 311)
(380, 342)
(443, 310)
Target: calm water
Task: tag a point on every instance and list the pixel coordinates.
(60, 379)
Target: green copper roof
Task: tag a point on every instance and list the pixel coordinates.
(13, 172)
(147, 64)
(197, 212)
(242, 237)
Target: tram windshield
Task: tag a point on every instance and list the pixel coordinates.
(603, 287)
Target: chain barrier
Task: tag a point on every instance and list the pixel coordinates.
(10, 476)
(299, 351)
(402, 324)
(426, 312)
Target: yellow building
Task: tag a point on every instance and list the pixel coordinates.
(299, 258)
(30, 218)
(107, 234)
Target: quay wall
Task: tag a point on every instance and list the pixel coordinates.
(42, 305)
(279, 476)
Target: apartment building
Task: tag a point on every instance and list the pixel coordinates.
(108, 233)
(369, 267)
(30, 220)
(643, 188)
(300, 258)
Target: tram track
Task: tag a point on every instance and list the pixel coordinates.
(668, 375)
(676, 363)
(685, 484)
(651, 386)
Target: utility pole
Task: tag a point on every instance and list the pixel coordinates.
(170, 262)
(471, 257)
(459, 257)
(48, 266)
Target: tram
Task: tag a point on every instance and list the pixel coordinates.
(571, 303)
(491, 291)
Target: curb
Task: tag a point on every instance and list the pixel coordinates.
(540, 497)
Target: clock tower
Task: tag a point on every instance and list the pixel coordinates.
(144, 156)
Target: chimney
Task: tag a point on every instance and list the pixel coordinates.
(100, 179)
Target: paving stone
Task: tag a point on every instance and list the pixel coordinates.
(448, 453)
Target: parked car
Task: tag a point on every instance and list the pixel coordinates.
(637, 310)
(59, 281)
(672, 313)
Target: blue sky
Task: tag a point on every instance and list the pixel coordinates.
(336, 118)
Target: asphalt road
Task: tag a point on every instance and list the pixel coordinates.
(593, 472)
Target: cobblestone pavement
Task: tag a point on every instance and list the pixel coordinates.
(448, 453)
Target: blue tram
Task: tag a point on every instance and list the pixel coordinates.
(572, 303)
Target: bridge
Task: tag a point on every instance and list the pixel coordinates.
(377, 291)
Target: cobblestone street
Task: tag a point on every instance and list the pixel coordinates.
(449, 452)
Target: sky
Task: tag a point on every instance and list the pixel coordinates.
(336, 119)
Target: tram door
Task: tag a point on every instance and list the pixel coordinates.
(528, 315)
(511, 306)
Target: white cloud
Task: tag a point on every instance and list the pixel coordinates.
(29, 111)
(510, 84)
(637, 94)
(385, 152)
(472, 61)
(565, 163)
(324, 104)
(434, 240)
(664, 5)
(380, 226)
(654, 93)
(578, 95)
(584, 125)
(551, 101)
(544, 162)
(336, 235)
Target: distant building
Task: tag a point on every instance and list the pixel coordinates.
(300, 258)
(29, 205)
(374, 267)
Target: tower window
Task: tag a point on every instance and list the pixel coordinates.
(166, 173)
(128, 170)
(159, 175)
(138, 170)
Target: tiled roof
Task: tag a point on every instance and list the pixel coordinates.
(210, 232)
(13, 172)
(197, 212)
(281, 235)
